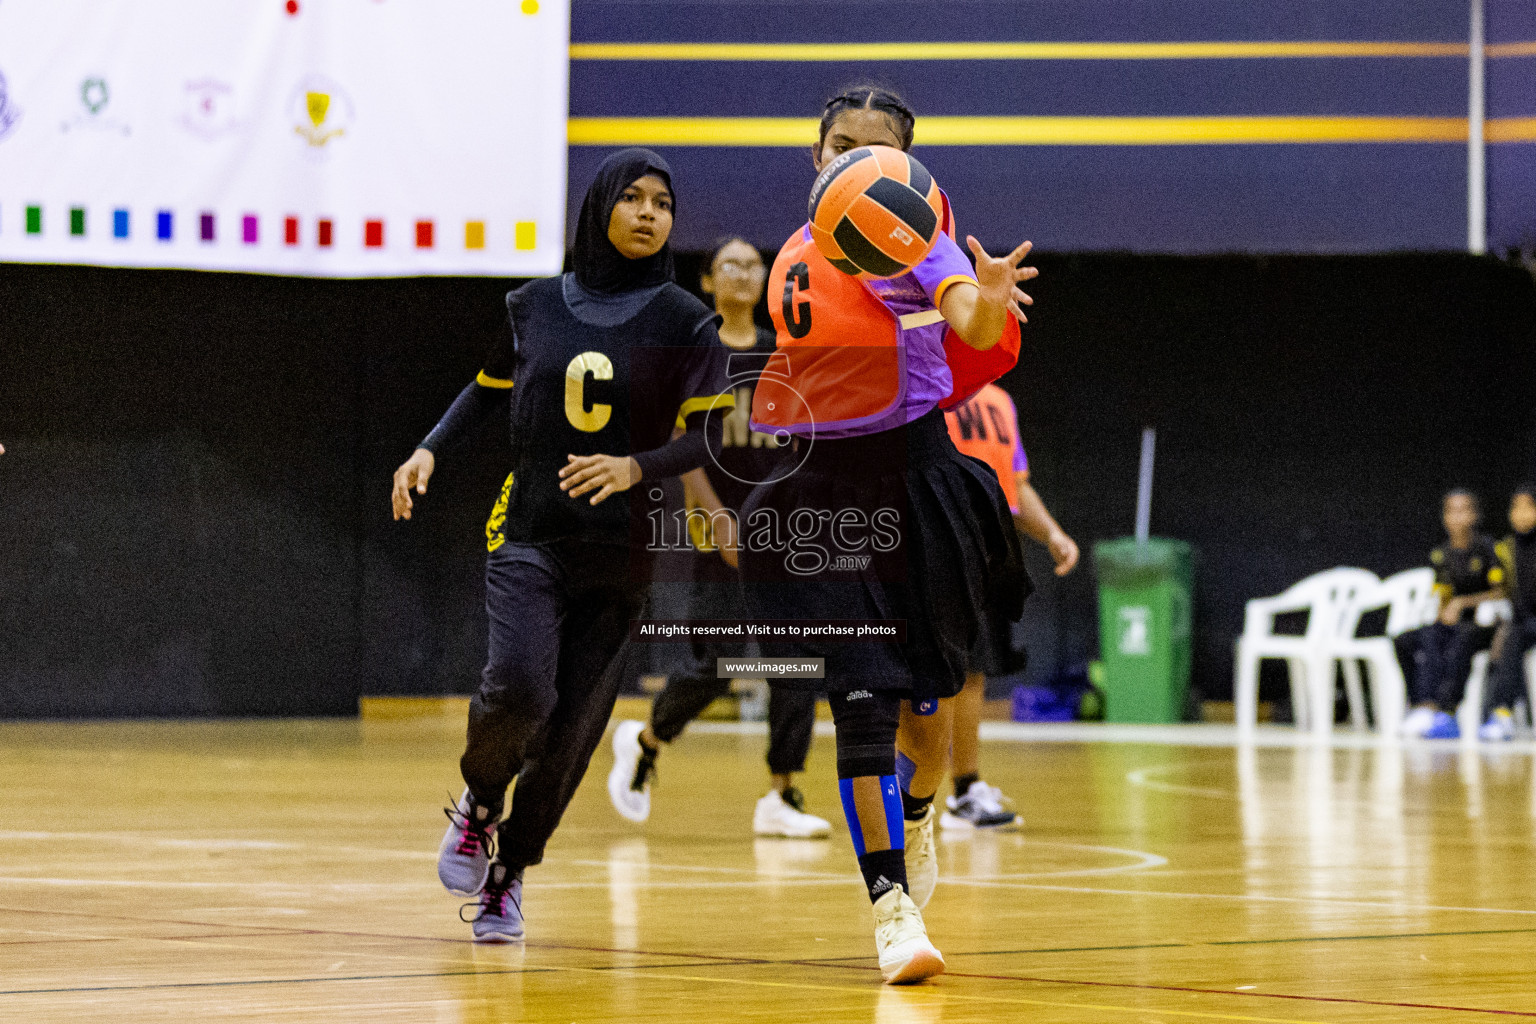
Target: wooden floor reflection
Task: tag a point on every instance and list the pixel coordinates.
(284, 872)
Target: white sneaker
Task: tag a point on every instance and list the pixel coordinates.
(783, 815)
(1418, 722)
(922, 858)
(1500, 727)
(464, 856)
(982, 806)
(629, 783)
(499, 915)
(906, 955)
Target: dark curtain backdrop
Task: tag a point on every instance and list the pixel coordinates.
(194, 501)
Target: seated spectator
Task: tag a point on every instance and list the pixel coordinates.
(1467, 573)
(1517, 553)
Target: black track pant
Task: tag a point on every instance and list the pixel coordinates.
(1447, 661)
(791, 716)
(1506, 680)
(560, 615)
(791, 712)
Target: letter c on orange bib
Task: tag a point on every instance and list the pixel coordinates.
(875, 212)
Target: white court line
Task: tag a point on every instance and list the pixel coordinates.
(1139, 777)
(140, 839)
(350, 887)
(848, 880)
(1241, 897)
(1193, 734)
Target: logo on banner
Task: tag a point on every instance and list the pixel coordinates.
(9, 114)
(322, 111)
(208, 109)
(94, 97)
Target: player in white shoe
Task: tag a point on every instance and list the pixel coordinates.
(857, 379)
(714, 494)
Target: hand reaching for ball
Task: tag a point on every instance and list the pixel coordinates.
(1000, 278)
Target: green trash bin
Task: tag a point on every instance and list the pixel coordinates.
(1144, 627)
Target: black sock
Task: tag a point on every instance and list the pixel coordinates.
(913, 807)
(883, 870)
(963, 782)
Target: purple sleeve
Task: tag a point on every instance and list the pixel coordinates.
(946, 262)
(1020, 460)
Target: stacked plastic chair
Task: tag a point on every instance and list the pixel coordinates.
(1332, 602)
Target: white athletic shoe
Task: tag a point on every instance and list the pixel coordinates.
(1418, 722)
(783, 815)
(499, 913)
(464, 856)
(906, 955)
(1500, 727)
(922, 858)
(982, 806)
(629, 783)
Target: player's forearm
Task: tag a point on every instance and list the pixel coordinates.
(695, 448)
(467, 412)
(1032, 519)
(979, 323)
(699, 493)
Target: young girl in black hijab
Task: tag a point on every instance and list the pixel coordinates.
(598, 364)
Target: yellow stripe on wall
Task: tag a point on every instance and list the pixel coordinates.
(1510, 129)
(1497, 50)
(1006, 51)
(1030, 131)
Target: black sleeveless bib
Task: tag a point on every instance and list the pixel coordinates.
(580, 389)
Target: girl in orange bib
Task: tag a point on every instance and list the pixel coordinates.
(878, 518)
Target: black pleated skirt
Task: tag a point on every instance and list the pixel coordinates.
(906, 529)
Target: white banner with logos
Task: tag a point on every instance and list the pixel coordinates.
(349, 138)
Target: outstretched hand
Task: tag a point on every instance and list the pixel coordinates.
(999, 277)
(605, 474)
(413, 472)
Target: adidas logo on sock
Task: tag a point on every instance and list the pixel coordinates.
(859, 695)
(882, 884)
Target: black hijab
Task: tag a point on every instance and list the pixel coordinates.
(599, 266)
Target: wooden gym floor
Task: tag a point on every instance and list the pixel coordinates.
(283, 871)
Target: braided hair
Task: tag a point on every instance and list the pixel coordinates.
(870, 97)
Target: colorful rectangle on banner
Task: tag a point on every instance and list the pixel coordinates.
(423, 234)
(34, 220)
(527, 235)
(373, 234)
(250, 229)
(325, 232)
(291, 231)
(474, 234)
(164, 225)
(119, 223)
(206, 227)
(77, 221)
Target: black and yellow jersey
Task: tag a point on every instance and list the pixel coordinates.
(579, 388)
(1473, 569)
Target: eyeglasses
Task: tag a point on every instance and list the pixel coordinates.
(741, 267)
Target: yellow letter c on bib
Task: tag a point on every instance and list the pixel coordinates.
(601, 368)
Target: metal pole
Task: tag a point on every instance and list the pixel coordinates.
(1477, 171)
(1144, 486)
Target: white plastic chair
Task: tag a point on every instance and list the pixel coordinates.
(1411, 602)
(1330, 599)
(1469, 714)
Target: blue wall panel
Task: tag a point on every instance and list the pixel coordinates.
(1359, 195)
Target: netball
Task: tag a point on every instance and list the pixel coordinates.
(875, 211)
